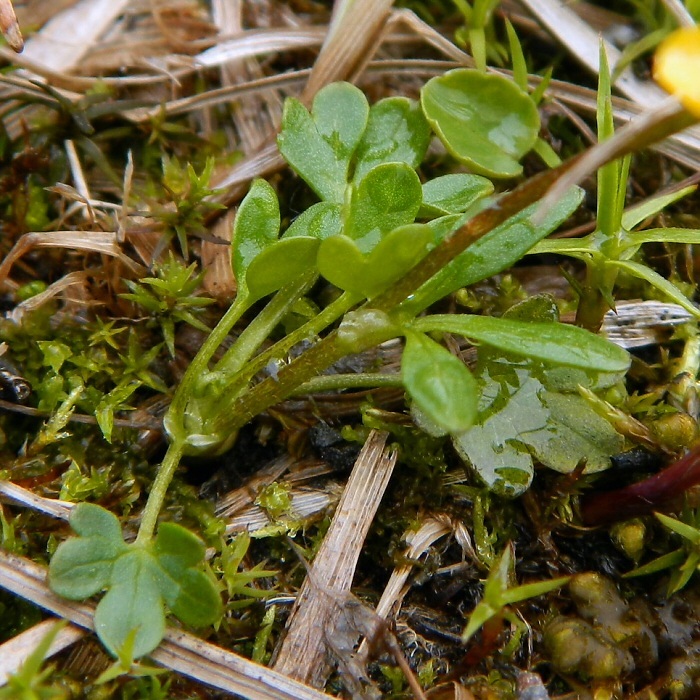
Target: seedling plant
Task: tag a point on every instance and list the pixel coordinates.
(391, 245)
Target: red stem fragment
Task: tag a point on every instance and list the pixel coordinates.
(645, 496)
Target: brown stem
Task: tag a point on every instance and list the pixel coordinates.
(645, 496)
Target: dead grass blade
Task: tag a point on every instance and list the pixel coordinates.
(303, 654)
(102, 242)
(17, 650)
(24, 497)
(10, 27)
(62, 43)
(180, 651)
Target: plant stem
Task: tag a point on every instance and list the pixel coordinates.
(199, 366)
(156, 497)
(309, 330)
(262, 325)
(338, 382)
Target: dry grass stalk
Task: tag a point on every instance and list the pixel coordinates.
(15, 651)
(303, 654)
(102, 242)
(180, 651)
(9, 26)
(19, 495)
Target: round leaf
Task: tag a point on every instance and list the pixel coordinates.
(453, 194)
(281, 264)
(439, 383)
(178, 545)
(396, 132)
(197, 603)
(484, 120)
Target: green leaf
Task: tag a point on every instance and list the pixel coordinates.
(494, 447)
(690, 533)
(440, 383)
(177, 548)
(650, 207)
(342, 263)
(319, 145)
(574, 432)
(133, 602)
(453, 194)
(197, 602)
(484, 120)
(520, 419)
(189, 593)
(656, 280)
(387, 197)
(631, 242)
(280, 264)
(556, 343)
(82, 566)
(397, 132)
(320, 221)
(256, 227)
(496, 251)
(667, 561)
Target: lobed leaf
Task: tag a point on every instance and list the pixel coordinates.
(494, 447)
(82, 566)
(319, 145)
(133, 602)
(397, 132)
(484, 120)
(387, 197)
(341, 261)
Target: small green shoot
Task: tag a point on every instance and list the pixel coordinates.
(685, 560)
(170, 297)
(125, 664)
(499, 593)
(31, 682)
(613, 246)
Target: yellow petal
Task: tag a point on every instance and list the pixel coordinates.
(677, 67)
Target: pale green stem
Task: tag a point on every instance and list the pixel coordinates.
(156, 497)
(310, 329)
(262, 325)
(199, 365)
(338, 382)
